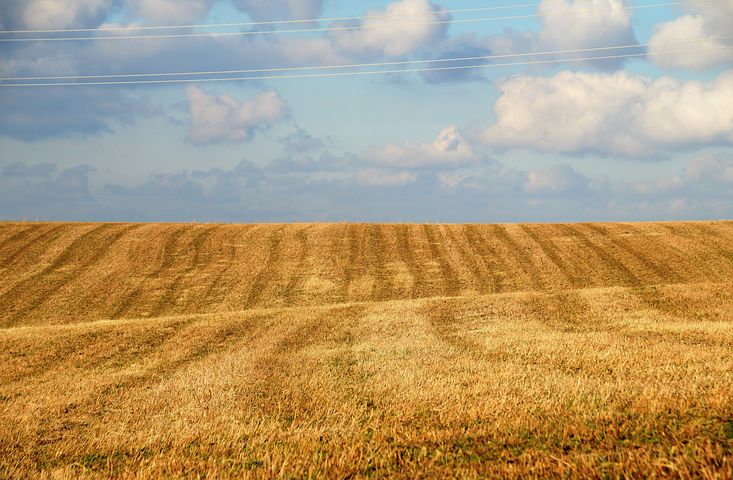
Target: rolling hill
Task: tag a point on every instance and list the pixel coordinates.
(357, 350)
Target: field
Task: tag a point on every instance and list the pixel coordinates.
(358, 350)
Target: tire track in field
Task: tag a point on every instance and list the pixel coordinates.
(663, 272)
(44, 284)
(693, 240)
(231, 261)
(297, 278)
(567, 311)
(98, 404)
(525, 260)
(169, 297)
(280, 359)
(267, 272)
(169, 247)
(713, 239)
(449, 277)
(406, 255)
(376, 246)
(553, 253)
(166, 262)
(675, 258)
(38, 244)
(17, 237)
(482, 249)
(443, 317)
(629, 277)
(469, 260)
(352, 254)
(76, 350)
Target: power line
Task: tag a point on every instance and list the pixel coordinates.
(343, 28)
(277, 22)
(347, 74)
(355, 65)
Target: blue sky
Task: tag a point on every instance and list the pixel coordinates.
(627, 139)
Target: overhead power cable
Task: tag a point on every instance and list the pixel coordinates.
(340, 28)
(348, 74)
(357, 65)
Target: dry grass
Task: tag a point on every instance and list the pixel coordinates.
(594, 350)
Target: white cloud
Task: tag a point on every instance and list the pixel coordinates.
(226, 119)
(707, 168)
(39, 14)
(381, 178)
(449, 149)
(458, 180)
(567, 25)
(405, 32)
(698, 31)
(619, 114)
(556, 179)
(171, 11)
(692, 30)
(584, 24)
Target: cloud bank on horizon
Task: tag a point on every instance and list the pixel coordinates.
(611, 139)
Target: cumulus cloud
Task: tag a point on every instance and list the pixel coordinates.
(619, 114)
(29, 116)
(585, 24)
(710, 169)
(300, 141)
(401, 29)
(41, 14)
(556, 179)
(170, 11)
(699, 31)
(382, 178)
(39, 191)
(226, 119)
(450, 149)
(567, 25)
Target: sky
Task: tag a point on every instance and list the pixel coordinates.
(554, 137)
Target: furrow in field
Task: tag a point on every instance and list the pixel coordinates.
(168, 302)
(12, 235)
(83, 253)
(719, 243)
(406, 254)
(520, 256)
(448, 275)
(622, 273)
(348, 254)
(670, 250)
(376, 247)
(47, 233)
(133, 303)
(486, 256)
(233, 241)
(661, 272)
(544, 242)
(298, 276)
(267, 268)
(78, 272)
(702, 258)
(477, 276)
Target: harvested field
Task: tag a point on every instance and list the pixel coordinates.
(358, 350)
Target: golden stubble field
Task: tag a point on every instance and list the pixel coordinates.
(358, 350)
